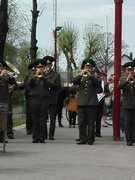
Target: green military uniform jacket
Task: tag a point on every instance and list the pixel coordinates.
(128, 100)
(55, 80)
(87, 90)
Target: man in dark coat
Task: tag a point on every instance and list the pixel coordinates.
(62, 94)
(87, 101)
(127, 85)
(101, 106)
(55, 79)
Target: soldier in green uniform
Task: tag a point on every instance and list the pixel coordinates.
(24, 85)
(38, 92)
(55, 79)
(5, 80)
(127, 85)
(87, 101)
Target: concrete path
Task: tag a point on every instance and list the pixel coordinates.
(63, 159)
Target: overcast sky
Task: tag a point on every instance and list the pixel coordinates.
(82, 12)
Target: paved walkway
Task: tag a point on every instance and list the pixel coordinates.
(63, 159)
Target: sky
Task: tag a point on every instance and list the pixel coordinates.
(81, 13)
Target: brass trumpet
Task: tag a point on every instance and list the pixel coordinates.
(39, 74)
(85, 73)
(131, 80)
(46, 70)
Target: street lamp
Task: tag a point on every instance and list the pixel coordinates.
(55, 46)
(57, 28)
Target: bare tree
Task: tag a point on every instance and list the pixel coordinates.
(99, 45)
(93, 39)
(34, 48)
(18, 25)
(68, 43)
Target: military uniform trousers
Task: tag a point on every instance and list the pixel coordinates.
(3, 125)
(38, 108)
(52, 112)
(86, 122)
(99, 115)
(10, 120)
(129, 123)
(59, 112)
(28, 116)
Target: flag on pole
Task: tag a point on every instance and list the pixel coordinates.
(60, 33)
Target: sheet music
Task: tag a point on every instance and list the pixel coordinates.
(100, 96)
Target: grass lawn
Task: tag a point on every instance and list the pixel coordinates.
(18, 121)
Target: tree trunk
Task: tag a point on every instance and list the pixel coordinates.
(69, 72)
(34, 48)
(3, 26)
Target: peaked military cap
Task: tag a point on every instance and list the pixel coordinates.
(32, 67)
(2, 62)
(39, 63)
(88, 62)
(49, 59)
(129, 65)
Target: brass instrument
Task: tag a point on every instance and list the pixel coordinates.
(46, 70)
(39, 73)
(11, 87)
(15, 72)
(85, 73)
(131, 80)
(9, 73)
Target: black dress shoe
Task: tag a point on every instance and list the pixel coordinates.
(90, 142)
(98, 135)
(29, 132)
(2, 141)
(61, 125)
(42, 141)
(81, 143)
(10, 136)
(78, 139)
(51, 138)
(129, 143)
(35, 141)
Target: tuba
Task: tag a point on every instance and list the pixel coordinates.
(14, 73)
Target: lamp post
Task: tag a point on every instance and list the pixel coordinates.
(55, 46)
(57, 28)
